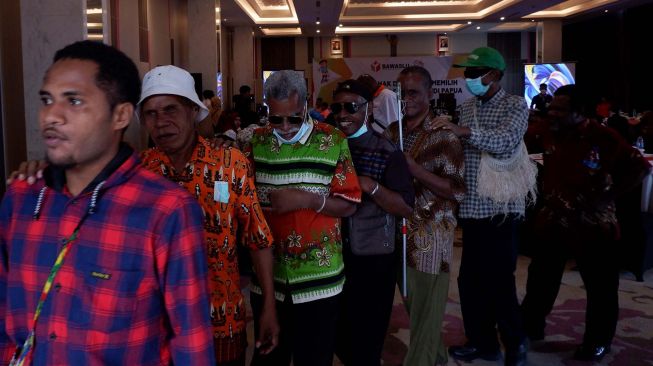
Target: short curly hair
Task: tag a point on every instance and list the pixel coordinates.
(282, 84)
(117, 74)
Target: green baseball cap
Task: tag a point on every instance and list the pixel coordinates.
(484, 57)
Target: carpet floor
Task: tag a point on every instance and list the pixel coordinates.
(632, 346)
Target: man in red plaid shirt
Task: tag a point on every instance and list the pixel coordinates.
(131, 289)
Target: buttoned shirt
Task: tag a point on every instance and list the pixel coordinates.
(431, 226)
(497, 127)
(132, 289)
(308, 262)
(224, 217)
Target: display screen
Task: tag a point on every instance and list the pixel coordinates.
(553, 75)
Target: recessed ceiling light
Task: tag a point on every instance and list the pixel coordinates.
(606, 10)
(339, 25)
(318, 31)
(318, 22)
(469, 22)
(532, 20)
(445, 33)
(503, 18)
(478, 27)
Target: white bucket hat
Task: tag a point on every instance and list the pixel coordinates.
(171, 80)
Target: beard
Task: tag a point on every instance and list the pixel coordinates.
(64, 164)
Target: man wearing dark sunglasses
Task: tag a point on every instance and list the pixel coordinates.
(306, 182)
(368, 235)
(491, 122)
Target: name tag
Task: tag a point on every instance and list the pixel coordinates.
(100, 275)
(221, 191)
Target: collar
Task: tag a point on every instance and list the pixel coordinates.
(364, 138)
(55, 176)
(379, 90)
(306, 135)
(499, 95)
(195, 156)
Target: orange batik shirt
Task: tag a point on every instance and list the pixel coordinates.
(226, 217)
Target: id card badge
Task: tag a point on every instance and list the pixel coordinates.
(221, 191)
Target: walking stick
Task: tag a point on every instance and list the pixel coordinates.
(404, 231)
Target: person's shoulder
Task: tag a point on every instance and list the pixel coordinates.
(607, 134)
(382, 141)
(20, 188)
(513, 99)
(468, 103)
(506, 100)
(156, 190)
(442, 136)
(237, 155)
(261, 133)
(327, 129)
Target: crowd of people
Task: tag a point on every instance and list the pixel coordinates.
(109, 256)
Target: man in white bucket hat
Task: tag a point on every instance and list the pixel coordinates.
(221, 180)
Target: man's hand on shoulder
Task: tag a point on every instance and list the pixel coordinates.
(31, 171)
(443, 122)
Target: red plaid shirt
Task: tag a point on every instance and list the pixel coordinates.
(133, 288)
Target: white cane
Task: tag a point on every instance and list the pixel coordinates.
(404, 233)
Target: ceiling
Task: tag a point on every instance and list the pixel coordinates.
(348, 17)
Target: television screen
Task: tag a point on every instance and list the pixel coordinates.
(553, 75)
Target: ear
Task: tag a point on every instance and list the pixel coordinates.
(122, 115)
(194, 111)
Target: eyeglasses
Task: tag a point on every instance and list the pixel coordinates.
(473, 73)
(293, 120)
(350, 107)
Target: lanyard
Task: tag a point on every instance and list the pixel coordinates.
(22, 353)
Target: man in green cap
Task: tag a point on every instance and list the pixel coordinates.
(491, 122)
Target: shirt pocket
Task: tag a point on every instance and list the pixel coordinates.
(107, 298)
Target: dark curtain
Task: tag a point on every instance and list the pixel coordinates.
(509, 44)
(610, 51)
(278, 53)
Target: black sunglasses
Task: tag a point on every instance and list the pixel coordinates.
(293, 120)
(473, 73)
(350, 107)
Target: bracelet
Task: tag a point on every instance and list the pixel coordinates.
(376, 188)
(323, 204)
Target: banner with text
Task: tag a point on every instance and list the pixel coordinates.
(327, 73)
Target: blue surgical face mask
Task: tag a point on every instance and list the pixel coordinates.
(297, 137)
(476, 87)
(361, 130)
